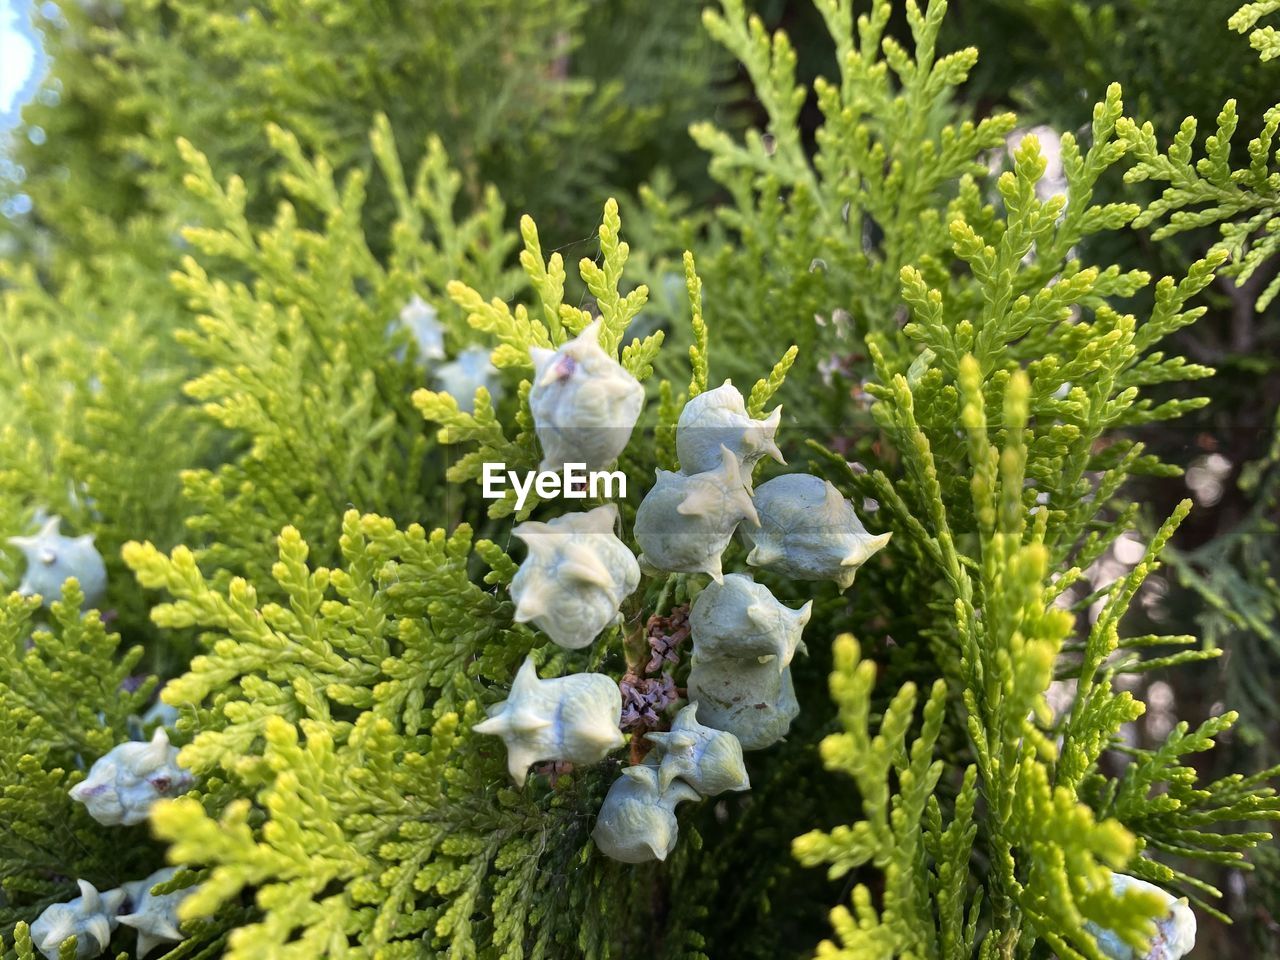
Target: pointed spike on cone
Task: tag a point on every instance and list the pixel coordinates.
(57, 933)
(494, 726)
(112, 900)
(864, 550)
(614, 388)
(591, 332)
(147, 942)
(734, 478)
(520, 757)
(730, 396)
(834, 497)
(581, 563)
(763, 554)
(760, 615)
(527, 722)
(802, 615)
(666, 775)
(680, 792)
(715, 570)
(98, 928)
(609, 738)
(89, 893)
(701, 499)
(541, 356)
(642, 773)
(518, 769)
(731, 467)
(548, 377)
(602, 519)
(770, 428)
(526, 677)
(530, 607)
(682, 740)
(155, 753)
(530, 531)
(658, 737)
(50, 528)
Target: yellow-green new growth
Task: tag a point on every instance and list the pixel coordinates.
(1265, 39)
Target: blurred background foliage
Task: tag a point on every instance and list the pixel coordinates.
(561, 103)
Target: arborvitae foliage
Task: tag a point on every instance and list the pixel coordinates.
(499, 86)
(344, 783)
(1057, 55)
(1242, 203)
(1207, 191)
(815, 243)
(939, 329)
(300, 358)
(994, 287)
(90, 385)
(1223, 193)
(1222, 561)
(500, 83)
(61, 707)
(345, 717)
(1264, 38)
